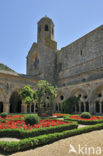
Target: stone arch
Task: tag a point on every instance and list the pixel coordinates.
(2, 100)
(97, 99)
(15, 102)
(83, 103)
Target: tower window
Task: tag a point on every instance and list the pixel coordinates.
(46, 27)
(81, 52)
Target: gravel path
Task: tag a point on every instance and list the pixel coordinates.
(61, 148)
(9, 139)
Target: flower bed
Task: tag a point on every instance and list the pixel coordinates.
(92, 120)
(16, 122)
(92, 117)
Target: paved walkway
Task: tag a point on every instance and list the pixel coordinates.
(61, 148)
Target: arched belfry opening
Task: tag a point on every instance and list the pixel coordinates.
(46, 28)
(15, 102)
(46, 32)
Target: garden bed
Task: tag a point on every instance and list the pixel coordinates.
(29, 143)
(92, 120)
(14, 126)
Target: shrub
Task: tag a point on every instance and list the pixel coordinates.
(85, 115)
(3, 115)
(32, 119)
(69, 104)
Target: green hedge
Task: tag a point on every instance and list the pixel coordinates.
(11, 147)
(85, 122)
(19, 133)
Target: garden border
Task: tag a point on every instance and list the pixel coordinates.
(28, 143)
(21, 134)
(85, 122)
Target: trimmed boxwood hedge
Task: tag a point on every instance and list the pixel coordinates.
(85, 122)
(20, 133)
(11, 147)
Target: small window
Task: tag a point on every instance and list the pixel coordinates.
(46, 27)
(81, 52)
(99, 95)
(85, 97)
(80, 95)
(61, 97)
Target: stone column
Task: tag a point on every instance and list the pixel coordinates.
(94, 108)
(30, 108)
(58, 107)
(84, 107)
(100, 108)
(6, 107)
(23, 107)
(34, 108)
(54, 107)
(79, 107)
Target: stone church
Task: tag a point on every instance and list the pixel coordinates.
(76, 69)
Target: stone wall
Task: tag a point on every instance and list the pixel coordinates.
(10, 83)
(46, 66)
(81, 59)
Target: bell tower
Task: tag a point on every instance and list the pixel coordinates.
(46, 32)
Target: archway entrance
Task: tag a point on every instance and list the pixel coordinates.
(83, 104)
(97, 98)
(15, 103)
(1, 107)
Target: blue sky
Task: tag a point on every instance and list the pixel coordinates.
(18, 25)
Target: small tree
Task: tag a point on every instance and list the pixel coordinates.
(27, 94)
(69, 104)
(45, 94)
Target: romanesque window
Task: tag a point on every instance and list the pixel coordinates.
(61, 97)
(46, 27)
(81, 52)
(59, 67)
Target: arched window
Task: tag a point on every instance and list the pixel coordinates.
(61, 97)
(46, 27)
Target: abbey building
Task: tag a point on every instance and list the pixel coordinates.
(76, 69)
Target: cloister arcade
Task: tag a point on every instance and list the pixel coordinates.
(89, 101)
